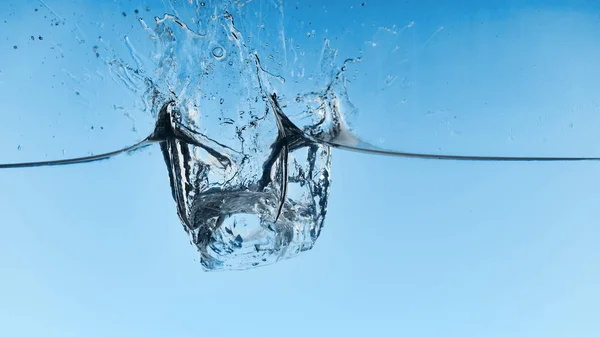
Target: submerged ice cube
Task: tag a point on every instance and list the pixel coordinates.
(239, 217)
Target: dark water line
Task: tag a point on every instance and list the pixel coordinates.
(373, 150)
(365, 148)
(81, 160)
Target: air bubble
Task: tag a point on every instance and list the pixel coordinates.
(218, 53)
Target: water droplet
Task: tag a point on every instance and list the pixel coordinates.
(218, 52)
(19, 148)
(221, 101)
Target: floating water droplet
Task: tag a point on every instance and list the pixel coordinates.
(218, 53)
(19, 148)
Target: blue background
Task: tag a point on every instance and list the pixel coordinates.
(418, 248)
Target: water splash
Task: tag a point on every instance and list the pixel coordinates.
(250, 188)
